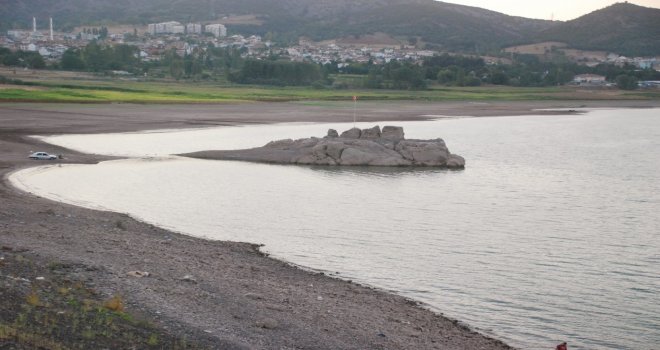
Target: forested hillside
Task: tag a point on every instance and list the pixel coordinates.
(623, 28)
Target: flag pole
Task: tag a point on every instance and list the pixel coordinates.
(354, 109)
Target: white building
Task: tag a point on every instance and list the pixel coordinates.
(17, 34)
(592, 79)
(171, 27)
(645, 63)
(44, 52)
(89, 36)
(218, 30)
(194, 28)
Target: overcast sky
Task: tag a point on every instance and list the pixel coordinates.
(544, 9)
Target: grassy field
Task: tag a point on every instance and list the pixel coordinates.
(103, 90)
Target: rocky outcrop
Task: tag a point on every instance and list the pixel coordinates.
(353, 147)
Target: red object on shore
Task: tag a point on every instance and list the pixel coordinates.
(562, 346)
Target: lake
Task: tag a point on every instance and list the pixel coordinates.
(550, 234)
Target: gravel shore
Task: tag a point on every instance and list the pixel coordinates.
(221, 294)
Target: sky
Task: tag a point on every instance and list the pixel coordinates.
(562, 10)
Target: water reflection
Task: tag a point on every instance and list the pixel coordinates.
(379, 171)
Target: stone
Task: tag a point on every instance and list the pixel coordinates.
(391, 161)
(332, 133)
(455, 162)
(189, 278)
(253, 296)
(353, 133)
(392, 133)
(353, 156)
(319, 150)
(267, 323)
(334, 150)
(138, 274)
(370, 134)
(426, 153)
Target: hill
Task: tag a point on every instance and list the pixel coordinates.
(447, 26)
(622, 28)
(442, 24)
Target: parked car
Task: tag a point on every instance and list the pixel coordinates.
(42, 156)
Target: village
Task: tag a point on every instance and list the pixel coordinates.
(159, 38)
(156, 39)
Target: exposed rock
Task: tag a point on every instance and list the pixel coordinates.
(392, 133)
(280, 143)
(335, 149)
(353, 147)
(353, 133)
(370, 134)
(353, 156)
(431, 153)
(455, 162)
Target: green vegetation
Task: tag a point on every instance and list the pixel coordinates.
(106, 91)
(623, 28)
(97, 58)
(281, 73)
(21, 59)
(227, 64)
(220, 75)
(222, 65)
(54, 312)
(626, 82)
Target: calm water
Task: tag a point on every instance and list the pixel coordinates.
(550, 234)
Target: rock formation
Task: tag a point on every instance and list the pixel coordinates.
(373, 147)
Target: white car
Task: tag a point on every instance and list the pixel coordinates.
(42, 156)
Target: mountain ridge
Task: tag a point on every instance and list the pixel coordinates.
(444, 26)
(622, 27)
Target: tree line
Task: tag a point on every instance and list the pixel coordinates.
(98, 58)
(210, 62)
(457, 70)
(27, 59)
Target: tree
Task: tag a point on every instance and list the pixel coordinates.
(71, 60)
(34, 60)
(103, 33)
(626, 82)
(94, 56)
(499, 78)
(446, 76)
(277, 73)
(175, 64)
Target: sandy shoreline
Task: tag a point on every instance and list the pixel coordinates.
(235, 296)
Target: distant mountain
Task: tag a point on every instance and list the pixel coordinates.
(445, 25)
(623, 28)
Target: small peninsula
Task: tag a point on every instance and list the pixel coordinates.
(354, 147)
